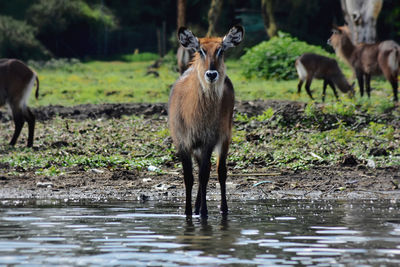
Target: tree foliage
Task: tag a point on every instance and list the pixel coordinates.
(17, 40)
(72, 25)
(81, 28)
(55, 16)
(274, 59)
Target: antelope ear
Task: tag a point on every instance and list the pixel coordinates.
(335, 29)
(233, 37)
(187, 39)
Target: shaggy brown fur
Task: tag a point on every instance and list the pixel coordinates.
(200, 113)
(310, 66)
(16, 82)
(368, 59)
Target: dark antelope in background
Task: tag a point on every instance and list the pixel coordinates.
(310, 66)
(368, 60)
(200, 113)
(16, 83)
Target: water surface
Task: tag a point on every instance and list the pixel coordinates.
(280, 233)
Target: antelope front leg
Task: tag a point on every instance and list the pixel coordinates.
(188, 177)
(324, 90)
(394, 83)
(308, 90)
(368, 84)
(360, 79)
(204, 175)
(299, 86)
(222, 175)
(197, 203)
(30, 118)
(332, 85)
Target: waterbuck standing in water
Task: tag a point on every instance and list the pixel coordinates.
(200, 113)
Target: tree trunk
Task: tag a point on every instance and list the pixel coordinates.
(213, 15)
(181, 13)
(267, 12)
(361, 16)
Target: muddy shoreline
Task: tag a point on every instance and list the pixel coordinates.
(347, 181)
(316, 184)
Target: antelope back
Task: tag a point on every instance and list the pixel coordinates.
(16, 81)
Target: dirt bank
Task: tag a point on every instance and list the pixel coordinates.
(350, 179)
(320, 183)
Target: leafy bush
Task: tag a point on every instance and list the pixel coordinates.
(55, 16)
(17, 40)
(65, 64)
(274, 59)
(71, 28)
(137, 57)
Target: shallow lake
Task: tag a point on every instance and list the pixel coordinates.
(280, 233)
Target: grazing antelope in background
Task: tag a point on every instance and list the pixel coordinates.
(16, 83)
(200, 113)
(368, 59)
(184, 56)
(311, 66)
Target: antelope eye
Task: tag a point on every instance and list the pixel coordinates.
(219, 52)
(203, 53)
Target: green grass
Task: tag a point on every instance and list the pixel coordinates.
(61, 144)
(135, 142)
(126, 81)
(131, 142)
(100, 82)
(257, 88)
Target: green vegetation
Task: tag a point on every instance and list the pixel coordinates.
(274, 59)
(317, 135)
(64, 145)
(17, 40)
(71, 82)
(66, 82)
(259, 143)
(273, 143)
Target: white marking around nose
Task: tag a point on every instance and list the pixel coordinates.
(209, 72)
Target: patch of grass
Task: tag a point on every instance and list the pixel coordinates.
(70, 82)
(103, 82)
(134, 142)
(139, 57)
(129, 142)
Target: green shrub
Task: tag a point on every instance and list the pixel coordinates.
(138, 57)
(65, 64)
(55, 17)
(71, 28)
(274, 59)
(17, 40)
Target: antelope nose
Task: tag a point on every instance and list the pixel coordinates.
(211, 75)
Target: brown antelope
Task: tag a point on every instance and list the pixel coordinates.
(200, 113)
(184, 56)
(311, 66)
(368, 60)
(16, 83)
